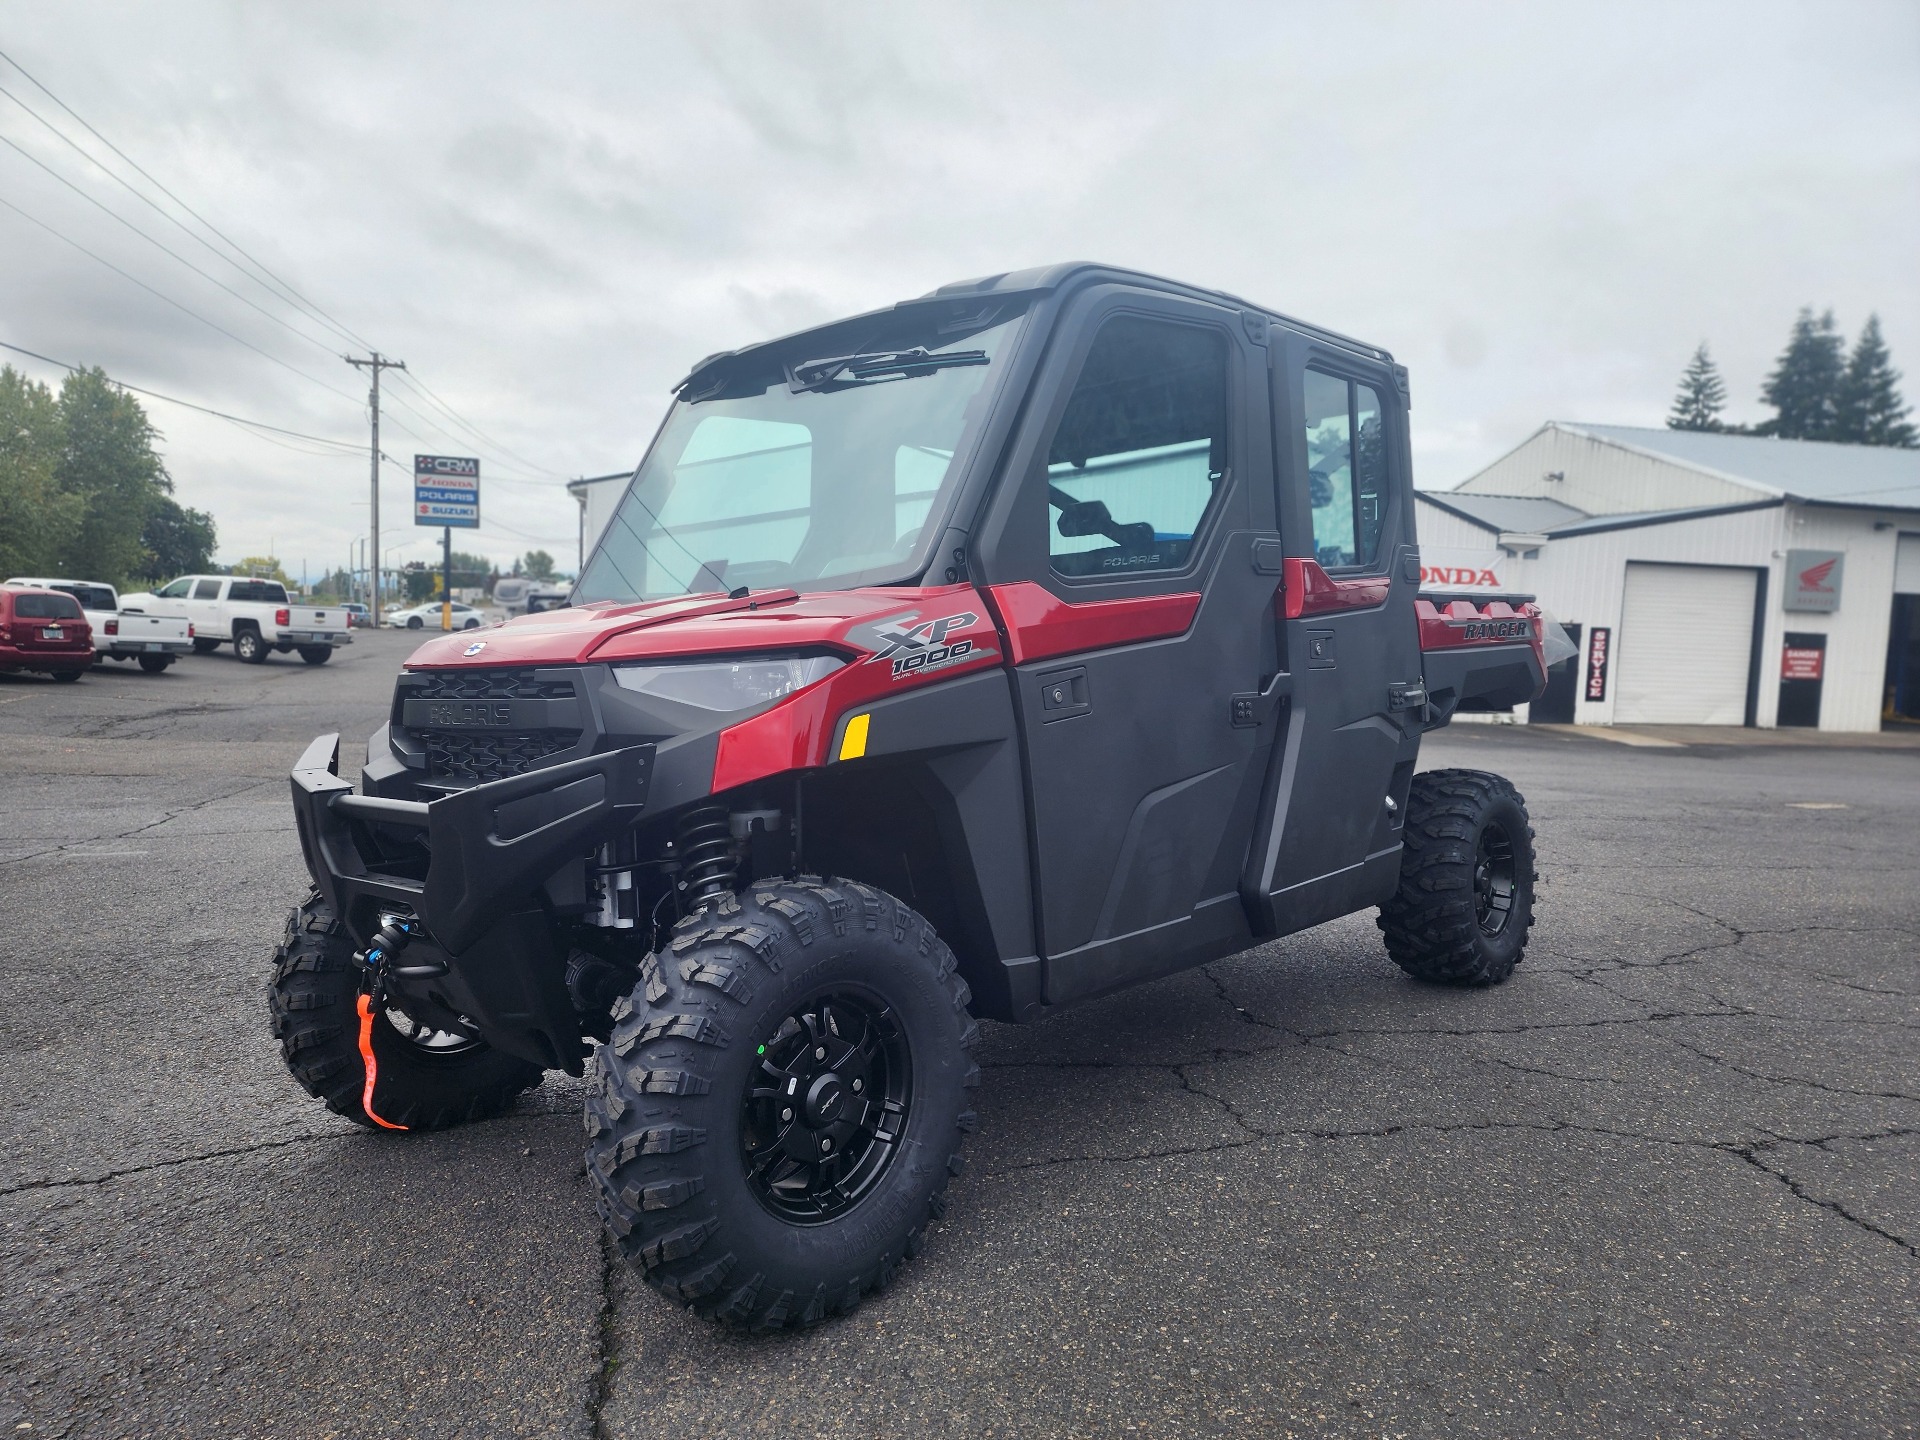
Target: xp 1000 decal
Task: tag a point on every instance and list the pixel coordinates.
(912, 646)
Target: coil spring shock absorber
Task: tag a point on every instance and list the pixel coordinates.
(708, 865)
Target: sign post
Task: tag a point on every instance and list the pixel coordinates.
(446, 492)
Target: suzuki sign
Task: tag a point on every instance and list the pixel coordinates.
(1813, 579)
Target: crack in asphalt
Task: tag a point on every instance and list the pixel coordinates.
(606, 1343)
(88, 1181)
(139, 829)
(1740, 1069)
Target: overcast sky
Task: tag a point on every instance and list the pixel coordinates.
(549, 211)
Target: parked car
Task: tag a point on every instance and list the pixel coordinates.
(427, 617)
(44, 630)
(155, 640)
(256, 616)
(358, 616)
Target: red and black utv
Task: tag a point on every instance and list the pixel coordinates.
(1034, 638)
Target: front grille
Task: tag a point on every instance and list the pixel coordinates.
(485, 685)
(481, 755)
(476, 756)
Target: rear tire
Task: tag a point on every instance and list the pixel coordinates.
(67, 677)
(694, 1147)
(313, 997)
(316, 654)
(205, 647)
(154, 664)
(251, 649)
(1465, 902)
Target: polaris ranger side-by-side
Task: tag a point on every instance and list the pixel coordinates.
(1031, 639)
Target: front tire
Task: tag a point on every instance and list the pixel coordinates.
(316, 654)
(422, 1082)
(248, 645)
(1465, 902)
(205, 647)
(414, 622)
(782, 1102)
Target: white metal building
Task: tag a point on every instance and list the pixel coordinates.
(1711, 579)
(596, 495)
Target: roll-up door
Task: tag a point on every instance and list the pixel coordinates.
(1906, 566)
(1685, 645)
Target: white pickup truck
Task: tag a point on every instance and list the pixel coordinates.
(155, 639)
(254, 615)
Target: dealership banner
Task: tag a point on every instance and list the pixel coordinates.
(446, 491)
(1599, 650)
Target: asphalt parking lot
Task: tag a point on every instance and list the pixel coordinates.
(1666, 1181)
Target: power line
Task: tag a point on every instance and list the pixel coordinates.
(261, 266)
(97, 204)
(415, 382)
(189, 404)
(185, 310)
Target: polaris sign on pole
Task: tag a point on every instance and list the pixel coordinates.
(446, 492)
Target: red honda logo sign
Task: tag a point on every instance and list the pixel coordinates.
(1457, 575)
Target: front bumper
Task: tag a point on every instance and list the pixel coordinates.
(488, 849)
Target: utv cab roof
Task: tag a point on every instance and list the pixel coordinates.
(1042, 280)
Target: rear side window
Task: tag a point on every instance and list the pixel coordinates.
(1346, 468)
(92, 597)
(1141, 450)
(207, 590)
(46, 607)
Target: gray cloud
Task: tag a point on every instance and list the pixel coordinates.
(549, 212)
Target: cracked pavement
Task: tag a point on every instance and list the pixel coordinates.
(1665, 1181)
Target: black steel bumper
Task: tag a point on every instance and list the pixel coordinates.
(489, 849)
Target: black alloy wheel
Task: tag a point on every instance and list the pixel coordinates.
(414, 622)
(822, 1117)
(1493, 879)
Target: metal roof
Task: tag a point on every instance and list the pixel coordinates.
(1525, 514)
(1812, 470)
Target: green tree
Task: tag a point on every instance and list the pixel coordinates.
(1869, 409)
(1804, 388)
(38, 520)
(1702, 395)
(107, 459)
(538, 564)
(175, 541)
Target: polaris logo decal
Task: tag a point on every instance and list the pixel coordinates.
(467, 712)
(917, 647)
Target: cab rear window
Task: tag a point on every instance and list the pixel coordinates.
(46, 607)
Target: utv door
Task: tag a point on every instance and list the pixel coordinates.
(1329, 838)
(1131, 557)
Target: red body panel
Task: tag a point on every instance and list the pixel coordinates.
(1306, 589)
(1465, 623)
(1039, 625)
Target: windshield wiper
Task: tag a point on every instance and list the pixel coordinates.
(876, 366)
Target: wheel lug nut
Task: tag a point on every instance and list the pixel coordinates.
(858, 1085)
(787, 1113)
(819, 1052)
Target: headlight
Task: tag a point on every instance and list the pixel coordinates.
(727, 684)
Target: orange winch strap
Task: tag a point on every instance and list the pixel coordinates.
(372, 1068)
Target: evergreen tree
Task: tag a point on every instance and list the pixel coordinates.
(1869, 410)
(1804, 388)
(1702, 395)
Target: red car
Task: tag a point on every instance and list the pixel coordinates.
(44, 630)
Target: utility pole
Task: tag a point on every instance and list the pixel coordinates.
(375, 364)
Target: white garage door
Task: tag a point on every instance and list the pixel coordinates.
(1685, 645)
(1906, 566)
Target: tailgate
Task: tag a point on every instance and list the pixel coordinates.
(136, 625)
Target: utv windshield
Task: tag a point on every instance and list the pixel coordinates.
(814, 464)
